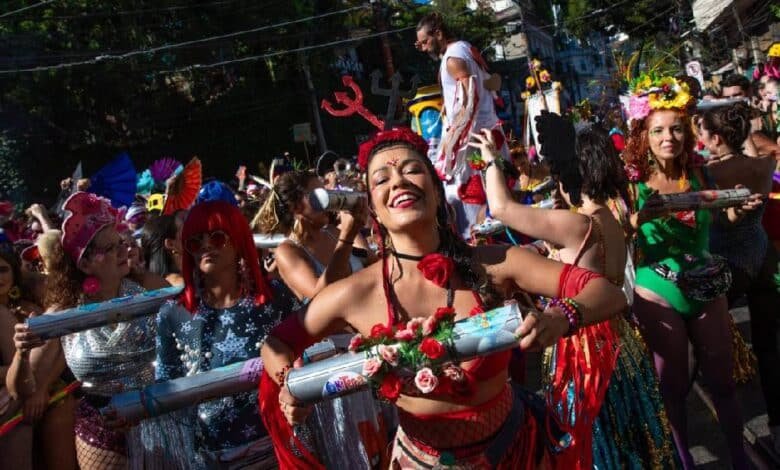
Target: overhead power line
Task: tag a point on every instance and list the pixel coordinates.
(139, 52)
(284, 52)
(28, 7)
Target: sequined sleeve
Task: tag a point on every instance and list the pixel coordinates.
(168, 364)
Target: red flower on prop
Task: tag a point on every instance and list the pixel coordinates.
(431, 348)
(380, 331)
(390, 388)
(437, 268)
(443, 312)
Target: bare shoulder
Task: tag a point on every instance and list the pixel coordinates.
(351, 298)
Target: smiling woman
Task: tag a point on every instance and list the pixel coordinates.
(425, 266)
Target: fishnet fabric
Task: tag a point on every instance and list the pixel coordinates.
(95, 458)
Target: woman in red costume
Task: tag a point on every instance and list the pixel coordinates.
(421, 270)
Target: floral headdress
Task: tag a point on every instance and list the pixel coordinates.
(650, 92)
(397, 134)
(89, 213)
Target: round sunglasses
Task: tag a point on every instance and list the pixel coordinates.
(216, 239)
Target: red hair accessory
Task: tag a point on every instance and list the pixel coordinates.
(89, 213)
(397, 134)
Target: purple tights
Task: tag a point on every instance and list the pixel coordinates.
(667, 335)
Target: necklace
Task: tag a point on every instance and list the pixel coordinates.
(400, 255)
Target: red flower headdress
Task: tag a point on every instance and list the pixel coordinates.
(397, 134)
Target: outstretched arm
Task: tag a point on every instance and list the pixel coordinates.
(560, 227)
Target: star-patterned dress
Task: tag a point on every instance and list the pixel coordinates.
(189, 344)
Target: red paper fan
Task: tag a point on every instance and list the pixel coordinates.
(182, 189)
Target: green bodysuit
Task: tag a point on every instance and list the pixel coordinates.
(667, 241)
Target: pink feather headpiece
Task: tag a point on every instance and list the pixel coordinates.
(89, 213)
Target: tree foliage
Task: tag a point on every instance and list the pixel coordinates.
(637, 18)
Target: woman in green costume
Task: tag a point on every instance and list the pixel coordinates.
(670, 248)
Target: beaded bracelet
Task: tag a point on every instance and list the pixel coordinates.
(571, 309)
(281, 374)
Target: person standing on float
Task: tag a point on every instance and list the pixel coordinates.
(467, 88)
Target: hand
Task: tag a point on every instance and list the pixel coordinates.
(36, 210)
(24, 339)
(556, 136)
(35, 405)
(653, 209)
(540, 330)
(241, 173)
(65, 184)
(484, 141)
(753, 203)
(350, 222)
(293, 410)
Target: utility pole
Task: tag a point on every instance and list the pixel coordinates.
(381, 27)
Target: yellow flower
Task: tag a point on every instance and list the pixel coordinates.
(525, 95)
(530, 82)
(536, 64)
(544, 76)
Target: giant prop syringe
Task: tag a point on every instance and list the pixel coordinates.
(476, 336)
(709, 199)
(86, 317)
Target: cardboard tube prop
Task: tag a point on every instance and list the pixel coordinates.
(476, 336)
(166, 397)
(86, 317)
(704, 105)
(265, 241)
(332, 200)
(710, 199)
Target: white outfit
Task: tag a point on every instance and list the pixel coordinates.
(454, 168)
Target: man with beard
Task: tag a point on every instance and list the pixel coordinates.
(467, 88)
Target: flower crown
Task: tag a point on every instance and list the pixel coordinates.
(650, 92)
(397, 134)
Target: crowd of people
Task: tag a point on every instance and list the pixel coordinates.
(614, 284)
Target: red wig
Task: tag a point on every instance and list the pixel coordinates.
(220, 215)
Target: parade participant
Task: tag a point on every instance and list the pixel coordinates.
(421, 270)
(752, 259)
(660, 159)
(224, 315)
(161, 246)
(468, 89)
(626, 433)
(314, 256)
(90, 265)
(53, 425)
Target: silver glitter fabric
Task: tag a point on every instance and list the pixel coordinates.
(115, 358)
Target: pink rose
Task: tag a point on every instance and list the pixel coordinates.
(429, 325)
(415, 324)
(404, 335)
(355, 342)
(638, 107)
(371, 367)
(425, 380)
(389, 354)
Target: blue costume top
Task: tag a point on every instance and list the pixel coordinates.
(188, 344)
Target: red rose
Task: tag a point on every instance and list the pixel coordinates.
(390, 388)
(380, 331)
(443, 313)
(437, 268)
(431, 348)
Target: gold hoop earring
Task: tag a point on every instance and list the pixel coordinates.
(298, 229)
(15, 293)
